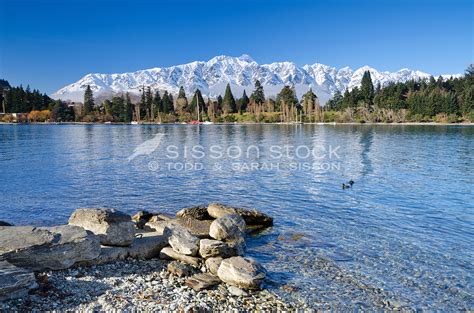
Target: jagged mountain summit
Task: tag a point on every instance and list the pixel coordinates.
(212, 76)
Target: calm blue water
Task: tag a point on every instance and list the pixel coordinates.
(406, 228)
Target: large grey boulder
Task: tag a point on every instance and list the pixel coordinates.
(181, 240)
(15, 282)
(196, 212)
(228, 227)
(212, 248)
(113, 227)
(241, 272)
(251, 217)
(47, 248)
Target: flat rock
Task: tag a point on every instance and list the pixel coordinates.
(47, 248)
(108, 254)
(202, 281)
(251, 217)
(2, 223)
(213, 264)
(196, 227)
(15, 282)
(180, 269)
(241, 272)
(212, 248)
(113, 227)
(228, 227)
(147, 245)
(195, 212)
(168, 253)
(181, 240)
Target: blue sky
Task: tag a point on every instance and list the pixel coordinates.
(49, 44)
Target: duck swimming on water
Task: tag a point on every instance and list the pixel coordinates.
(348, 185)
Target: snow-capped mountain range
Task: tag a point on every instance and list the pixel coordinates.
(211, 78)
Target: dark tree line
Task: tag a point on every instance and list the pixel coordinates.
(426, 98)
(21, 100)
(40, 106)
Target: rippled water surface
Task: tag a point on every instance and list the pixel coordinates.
(404, 233)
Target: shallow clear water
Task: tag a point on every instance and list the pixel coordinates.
(404, 232)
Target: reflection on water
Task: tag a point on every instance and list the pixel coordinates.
(405, 227)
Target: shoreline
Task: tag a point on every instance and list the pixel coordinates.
(136, 285)
(240, 124)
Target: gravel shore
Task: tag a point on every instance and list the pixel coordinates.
(135, 285)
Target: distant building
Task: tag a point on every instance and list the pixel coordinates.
(77, 106)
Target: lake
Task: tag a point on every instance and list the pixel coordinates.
(403, 233)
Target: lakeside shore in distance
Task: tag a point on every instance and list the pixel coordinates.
(319, 123)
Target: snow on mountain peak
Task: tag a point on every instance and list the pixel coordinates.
(212, 76)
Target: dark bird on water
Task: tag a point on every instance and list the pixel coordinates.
(348, 184)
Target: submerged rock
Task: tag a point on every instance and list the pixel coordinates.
(228, 227)
(43, 248)
(181, 240)
(196, 212)
(15, 282)
(168, 253)
(114, 228)
(202, 281)
(251, 217)
(241, 272)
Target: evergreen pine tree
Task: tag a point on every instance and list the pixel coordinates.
(219, 104)
(197, 98)
(157, 103)
(228, 103)
(257, 95)
(149, 104)
(88, 100)
(367, 89)
(167, 103)
(243, 103)
(127, 112)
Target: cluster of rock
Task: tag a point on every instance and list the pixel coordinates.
(219, 252)
(206, 243)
